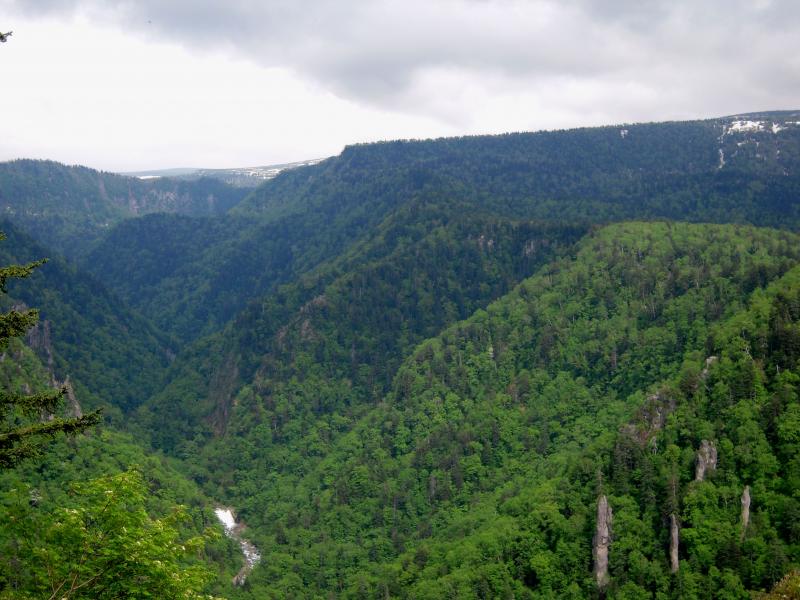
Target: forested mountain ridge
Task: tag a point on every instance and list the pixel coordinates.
(206, 270)
(69, 207)
(654, 170)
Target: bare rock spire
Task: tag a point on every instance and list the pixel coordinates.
(674, 543)
(745, 509)
(602, 540)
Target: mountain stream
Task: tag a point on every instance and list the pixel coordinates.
(233, 530)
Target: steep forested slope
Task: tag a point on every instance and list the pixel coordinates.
(112, 357)
(69, 208)
(496, 406)
(196, 274)
(333, 340)
(534, 535)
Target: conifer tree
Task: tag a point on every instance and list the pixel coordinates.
(27, 422)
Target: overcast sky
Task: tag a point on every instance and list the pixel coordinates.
(219, 83)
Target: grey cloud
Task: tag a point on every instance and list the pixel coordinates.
(379, 51)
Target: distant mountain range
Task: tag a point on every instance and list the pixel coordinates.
(68, 208)
(247, 177)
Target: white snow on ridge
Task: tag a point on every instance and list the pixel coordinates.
(739, 126)
(272, 171)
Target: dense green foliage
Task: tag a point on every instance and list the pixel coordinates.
(413, 370)
(497, 406)
(113, 357)
(574, 437)
(103, 545)
(336, 337)
(657, 170)
(54, 483)
(69, 208)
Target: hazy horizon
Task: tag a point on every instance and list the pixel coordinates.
(184, 168)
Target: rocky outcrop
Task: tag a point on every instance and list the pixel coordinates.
(73, 408)
(649, 420)
(656, 410)
(674, 543)
(709, 361)
(706, 460)
(745, 509)
(602, 541)
(40, 340)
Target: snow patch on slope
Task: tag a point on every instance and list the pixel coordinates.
(742, 126)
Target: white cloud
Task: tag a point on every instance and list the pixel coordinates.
(208, 82)
(93, 95)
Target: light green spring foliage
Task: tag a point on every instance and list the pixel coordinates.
(478, 475)
(539, 523)
(64, 526)
(99, 544)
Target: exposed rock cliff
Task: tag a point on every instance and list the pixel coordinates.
(73, 407)
(706, 460)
